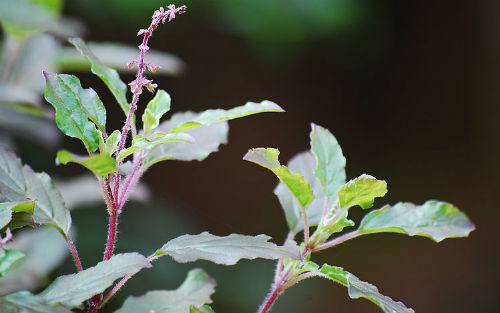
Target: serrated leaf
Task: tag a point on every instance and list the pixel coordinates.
(303, 164)
(72, 104)
(155, 109)
(13, 15)
(20, 183)
(226, 250)
(25, 302)
(361, 191)
(109, 76)
(360, 289)
(7, 258)
(72, 290)
(297, 185)
(206, 140)
(111, 144)
(330, 162)
(145, 144)
(116, 56)
(194, 291)
(210, 117)
(433, 219)
(44, 248)
(99, 164)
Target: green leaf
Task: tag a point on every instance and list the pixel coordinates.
(303, 164)
(330, 162)
(155, 109)
(13, 18)
(99, 164)
(360, 289)
(7, 258)
(361, 191)
(201, 309)
(74, 107)
(210, 117)
(109, 76)
(116, 56)
(226, 250)
(20, 183)
(111, 143)
(7, 208)
(72, 290)
(45, 249)
(194, 291)
(297, 185)
(433, 219)
(145, 144)
(25, 302)
(206, 140)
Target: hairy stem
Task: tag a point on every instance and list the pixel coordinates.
(112, 230)
(130, 181)
(337, 241)
(74, 253)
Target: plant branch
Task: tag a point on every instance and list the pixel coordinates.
(74, 253)
(273, 295)
(337, 241)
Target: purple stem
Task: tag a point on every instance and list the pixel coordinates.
(74, 253)
(337, 241)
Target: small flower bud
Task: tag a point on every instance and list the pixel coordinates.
(130, 65)
(141, 31)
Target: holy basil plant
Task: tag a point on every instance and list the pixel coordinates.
(29, 198)
(313, 192)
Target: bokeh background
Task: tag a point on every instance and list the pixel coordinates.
(411, 90)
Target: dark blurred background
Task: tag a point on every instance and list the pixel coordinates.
(411, 90)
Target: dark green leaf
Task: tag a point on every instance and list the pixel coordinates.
(72, 290)
(22, 184)
(74, 107)
(361, 191)
(7, 258)
(206, 140)
(155, 109)
(226, 250)
(433, 219)
(360, 289)
(25, 302)
(330, 162)
(194, 291)
(109, 76)
(99, 164)
(210, 117)
(297, 185)
(117, 56)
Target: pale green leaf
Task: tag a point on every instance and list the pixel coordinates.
(210, 117)
(13, 15)
(117, 56)
(201, 309)
(297, 185)
(433, 219)
(303, 164)
(109, 76)
(360, 289)
(72, 104)
(7, 209)
(194, 291)
(206, 140)
(227, 250)
(72, 290)
(20, 183)
(25, 302)
(45, 249)
(7, 258)
(99, 164)
(361, 191)
(148, 145)
(330, 162)
(155, 109)
(111, 143)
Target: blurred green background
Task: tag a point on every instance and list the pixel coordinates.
(410, 89)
